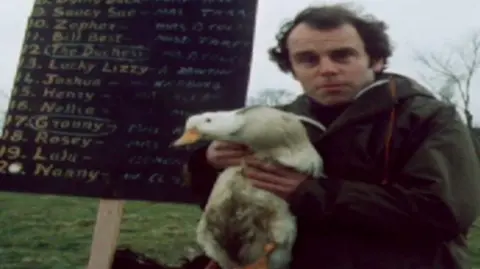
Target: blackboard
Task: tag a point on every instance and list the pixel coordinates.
(104, 86)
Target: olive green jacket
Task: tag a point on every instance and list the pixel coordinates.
(418, 219)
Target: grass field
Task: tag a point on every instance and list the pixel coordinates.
(47, 232)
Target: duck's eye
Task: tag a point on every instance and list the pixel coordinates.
(208, 120)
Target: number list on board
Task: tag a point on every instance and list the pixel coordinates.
(104, 86)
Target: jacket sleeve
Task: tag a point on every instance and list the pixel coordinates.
(202, 175)
(436, 193)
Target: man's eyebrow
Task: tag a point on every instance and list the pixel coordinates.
(343, 49)
(304, 52)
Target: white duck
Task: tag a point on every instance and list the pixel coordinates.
(243, 226)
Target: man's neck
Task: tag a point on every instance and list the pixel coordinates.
(326, 114)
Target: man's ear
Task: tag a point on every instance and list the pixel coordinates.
(378, 65)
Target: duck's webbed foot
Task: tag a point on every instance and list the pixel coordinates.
(262, 263)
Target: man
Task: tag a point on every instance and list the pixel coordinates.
(403, 176)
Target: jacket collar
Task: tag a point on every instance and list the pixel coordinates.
(374, 99)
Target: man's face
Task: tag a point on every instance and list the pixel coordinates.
(331, 65)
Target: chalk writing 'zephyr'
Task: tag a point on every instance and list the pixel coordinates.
(97, 51)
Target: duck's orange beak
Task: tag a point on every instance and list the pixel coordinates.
(188, 137)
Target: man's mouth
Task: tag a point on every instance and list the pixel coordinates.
(332, 87)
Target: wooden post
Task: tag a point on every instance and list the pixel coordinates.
(105, 235)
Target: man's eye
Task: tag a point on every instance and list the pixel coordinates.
(308, 59)
(341, 55)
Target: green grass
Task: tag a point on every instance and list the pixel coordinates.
(48, 232)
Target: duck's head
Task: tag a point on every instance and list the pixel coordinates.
(270, 132)
(220, 125)
(256, 126)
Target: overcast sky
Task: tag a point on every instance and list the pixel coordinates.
(426, 25)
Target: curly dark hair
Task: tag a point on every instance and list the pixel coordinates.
(371, 30)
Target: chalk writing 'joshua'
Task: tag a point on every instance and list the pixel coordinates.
(55, 79)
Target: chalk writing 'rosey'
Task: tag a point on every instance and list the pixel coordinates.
(43, 137)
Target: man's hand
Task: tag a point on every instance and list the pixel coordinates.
(221, 154)
(277, 179)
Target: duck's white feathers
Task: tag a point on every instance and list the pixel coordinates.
(239, 220)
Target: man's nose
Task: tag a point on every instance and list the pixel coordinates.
(327, 67)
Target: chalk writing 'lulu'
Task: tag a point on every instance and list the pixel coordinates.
(65, 155)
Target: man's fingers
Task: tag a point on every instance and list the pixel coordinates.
(266, 166)
(230, 154)
(221, 145)
(259, 175)
(277, 189)
(231, 162)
